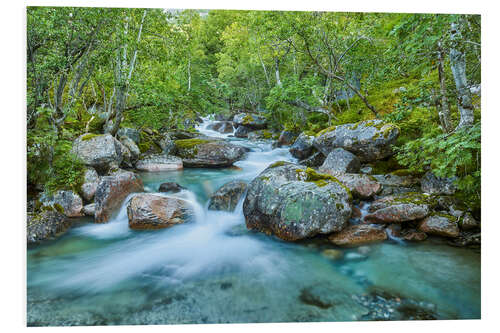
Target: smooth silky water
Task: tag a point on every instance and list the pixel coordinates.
(213, 270)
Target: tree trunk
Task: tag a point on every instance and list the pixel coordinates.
(444, 113)
(458, 65)
(277, 71)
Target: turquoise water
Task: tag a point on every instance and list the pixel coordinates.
(213, 270)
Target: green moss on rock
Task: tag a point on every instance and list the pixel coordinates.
(89, 136)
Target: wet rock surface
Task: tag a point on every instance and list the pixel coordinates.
(357, 235)
(440, 225)
(170, 187)
(227, 196)
(150, 211)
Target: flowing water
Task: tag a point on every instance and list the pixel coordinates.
(213, 270)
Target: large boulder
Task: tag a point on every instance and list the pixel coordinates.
(357, 235)
(400, 208)
(435, 185)
(102, 152)
(150, 211)
(342, 161)
(159, 162)
(286, 138)
(295, 203)
(440, 225)
(227, 196)
(199, 153)
(369, 140)
(89, 186)
(45, 225)
(130, 133)
(303, 146)
(250, 120)
(112, 190)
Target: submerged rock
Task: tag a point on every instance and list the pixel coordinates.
(45, 225)
(369, 140)
(100, 151)
(199, 153)
(227, 196)
(303, 146)
(341, 161)
(250, 120)
(436, 185)
(112, 190)
(89, 186)
(440, 225)
(333, 254)
(325, 296)
(170, 187)
(356, 235)
(293, 203)
(150, 211)
(159, 162)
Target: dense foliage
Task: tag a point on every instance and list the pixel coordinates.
(91, 68)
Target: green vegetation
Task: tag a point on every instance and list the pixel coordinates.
(93, 70)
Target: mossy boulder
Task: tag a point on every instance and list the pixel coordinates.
(64, 201)
(250, 120)
(369, 140)
(201, 153)
(100, 151)
(46, 224)
(295, 203)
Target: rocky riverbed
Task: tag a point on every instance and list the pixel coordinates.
(230, 229)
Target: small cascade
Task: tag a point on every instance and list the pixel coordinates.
(203, 129)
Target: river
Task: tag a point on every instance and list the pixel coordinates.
(213, 270)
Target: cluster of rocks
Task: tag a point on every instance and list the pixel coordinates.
(110, 178)
(317, 196)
